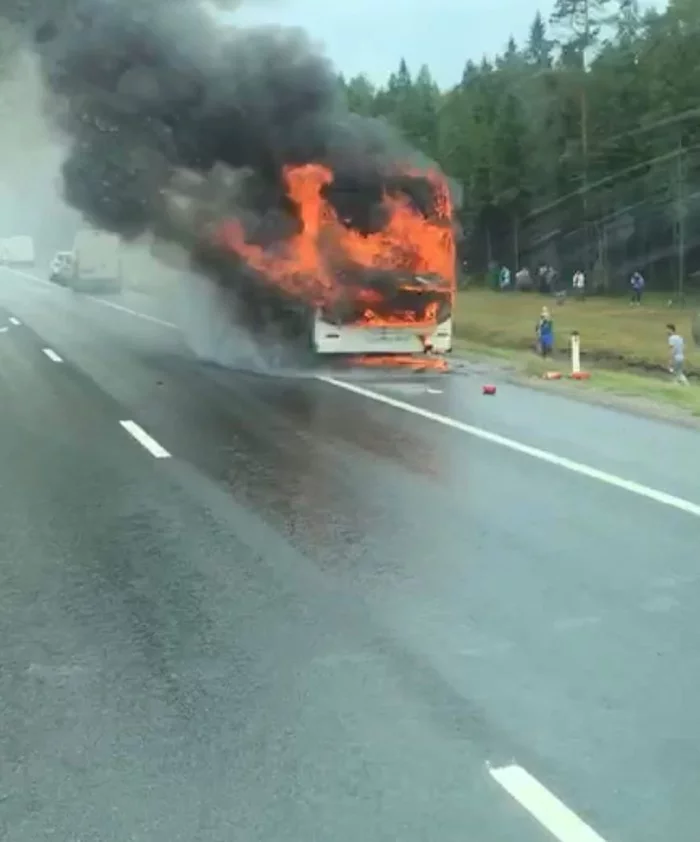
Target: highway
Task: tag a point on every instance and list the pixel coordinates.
(334, 607)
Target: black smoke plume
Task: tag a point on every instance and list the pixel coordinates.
(156, 93)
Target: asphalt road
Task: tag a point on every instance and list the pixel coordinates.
(315, 615)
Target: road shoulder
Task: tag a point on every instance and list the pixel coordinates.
(638, 395)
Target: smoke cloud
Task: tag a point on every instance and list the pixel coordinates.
(151, 91)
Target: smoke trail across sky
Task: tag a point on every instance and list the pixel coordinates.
(143, 86)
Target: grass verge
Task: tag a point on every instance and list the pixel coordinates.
(613, 333)
(640, 391)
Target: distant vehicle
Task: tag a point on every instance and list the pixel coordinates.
(62, 268)
(17, 251)
(94, 264)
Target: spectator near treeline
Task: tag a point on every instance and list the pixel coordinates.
(504, 278)
(637, 284)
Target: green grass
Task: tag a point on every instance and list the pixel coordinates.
(637, 386)
(612, 332)
(627, 345)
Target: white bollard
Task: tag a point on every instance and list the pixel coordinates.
(575, 353)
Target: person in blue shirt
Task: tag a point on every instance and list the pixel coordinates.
(637, 284)
(545, 332)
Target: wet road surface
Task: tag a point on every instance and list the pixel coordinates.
(313, 615)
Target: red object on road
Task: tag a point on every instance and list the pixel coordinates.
(489, 390)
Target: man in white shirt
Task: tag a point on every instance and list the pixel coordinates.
(676, 355)
(579, 284)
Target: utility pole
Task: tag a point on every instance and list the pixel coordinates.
(584, 128)
(680, 219)
(584, 99)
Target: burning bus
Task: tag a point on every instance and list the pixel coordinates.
(323, 263)
(234, 149)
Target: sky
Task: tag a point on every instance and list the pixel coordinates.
(371, 36)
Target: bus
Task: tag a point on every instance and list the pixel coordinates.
(387, 339)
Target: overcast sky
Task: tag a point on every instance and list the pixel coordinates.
(371, 36)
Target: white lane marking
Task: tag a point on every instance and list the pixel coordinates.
(519, 447)
(145, 440)
(30, 277)
(136, 313)
(15, 321)
(52, 355)
(100, 301)
(4, 329)
(549, 811)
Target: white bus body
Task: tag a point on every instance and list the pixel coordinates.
(370, 339)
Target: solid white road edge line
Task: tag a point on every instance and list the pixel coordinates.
(52, 355)
(100, 301)
(142, 437)
(136, 313)
(21, 274)
(519, 447)
(15, 321)
(549, 811)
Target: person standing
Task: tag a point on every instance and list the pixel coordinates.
(504, 279)
(545, 333)
(579, 283)
(676, 347)
(637, 284)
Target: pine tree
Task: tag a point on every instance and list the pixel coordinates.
(539, 48)
(574, 156)
(360, 95)
(579, 23)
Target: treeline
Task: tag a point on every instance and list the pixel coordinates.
(579, 148)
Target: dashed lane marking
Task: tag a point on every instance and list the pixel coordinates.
(549, 811)
(52, 355)
(654, 494)
(15, 321)
(146, 441)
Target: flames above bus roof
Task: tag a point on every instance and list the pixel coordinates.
(326, 240)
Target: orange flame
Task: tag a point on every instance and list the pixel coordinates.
(415, 363)
(308, 265)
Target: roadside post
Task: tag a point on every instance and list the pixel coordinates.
(575, 353)
(576, 373)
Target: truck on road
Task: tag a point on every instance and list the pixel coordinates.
(17, 251)
(93, 265)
